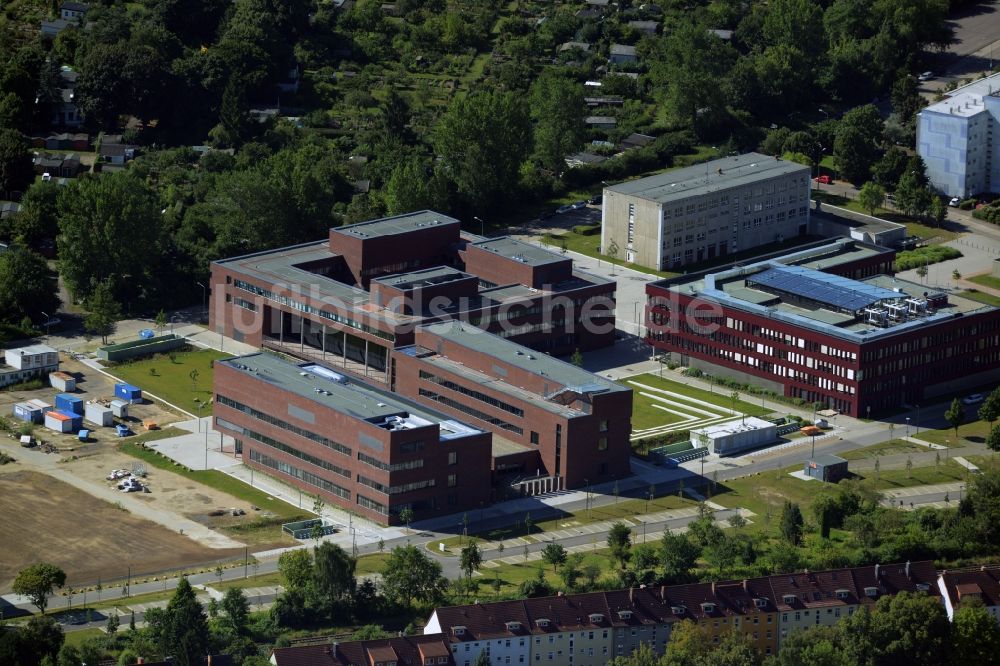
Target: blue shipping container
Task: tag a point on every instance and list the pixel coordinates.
(69, 404)
(128, 392)
(27, 412)
(76, 421)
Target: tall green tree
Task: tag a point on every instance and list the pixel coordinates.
(620, 543)
(110, 230)
(871, 197)
(38, 218)
(955, 415)
(295, 567)
(678, 556)
(236, 610)
(791, 523)
(184, 631)
(975, 635)
(471, 558)
(27, 286)
(333, 583)
(990, 409)
(103, 312)
(483, 139)
(38, 582)
(409, 575)
(554, 554)
(857, 145)
(15, 162)
(558, 111)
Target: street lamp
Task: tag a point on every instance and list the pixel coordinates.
(204, 297)
(918, 421)
(587, 500)
(48, 320)
(907, 426)
(821, 110)
(482, 225)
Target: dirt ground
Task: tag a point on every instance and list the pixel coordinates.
(89, 538)
(90, 385)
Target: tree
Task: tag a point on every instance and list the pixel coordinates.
(871, 197)
(333, 580)
(570, 571)
(409, 187)
(15, 162)
(558, 111)
(409, 575)
(856, 147)
(406, 515)
(296, 567)
(184, 629)
(482, 659)
(890, 167)
(37, 220)
(471, 558)
(236, 609)
(554, 554)
(38, 582)
(103, 312)
(482, 139)
(912, 195)
(938, 210)
(905, 628)
(110, 229)
(39, 639)
(620, 542)
(791, 523)
(577, 358)
(975, 636)
(678, 557)
(955, 415)
(990, 409)
(27, 286)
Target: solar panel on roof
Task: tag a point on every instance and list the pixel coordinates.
(839, 292)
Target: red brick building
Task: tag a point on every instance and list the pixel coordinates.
(827, 324)
(401, 651)
(357, 447)
(369, 303)
(553, 423)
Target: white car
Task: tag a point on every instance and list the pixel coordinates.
(954, 202)
(973, 399)
(926, 76)
(118, 474)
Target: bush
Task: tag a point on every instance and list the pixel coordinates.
(692, 372)
(587, 229)
(968, 204)
(923, 256)
(989, 214)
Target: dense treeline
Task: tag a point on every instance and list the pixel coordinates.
(185, 73)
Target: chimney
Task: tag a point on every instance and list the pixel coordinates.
(745, 585)
(877, 572)
(631, 594)
(663, 592)
(908, 570)
(713, 588)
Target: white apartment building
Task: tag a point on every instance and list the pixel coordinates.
(685, 216)
(955, 137)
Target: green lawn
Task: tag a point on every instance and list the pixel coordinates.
(986, 281)
(170, 378)
(590, 246)
(765, 494)
(947, 472)
(221, 482)
(982, 297)
(972, 432)
(78, 638)
(644, 415)
(891, 447)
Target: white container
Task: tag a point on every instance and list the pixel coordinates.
(120, 408)
(58, 422)
(62, 382)
(98, 414)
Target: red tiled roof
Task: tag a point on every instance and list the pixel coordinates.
(981, 581)
(405, 651)
(656, 605)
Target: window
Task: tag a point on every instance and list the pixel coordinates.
(604, 425)
(453, 457)
(452, 480)
(602, 444)
(534, 438)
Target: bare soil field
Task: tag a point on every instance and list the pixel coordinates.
(48, 520)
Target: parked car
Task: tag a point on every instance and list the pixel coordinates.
(118, 474)
(596, 201)
(926, 76)
(823, 180)
(564, 209)
(973, 399)
(954, 202)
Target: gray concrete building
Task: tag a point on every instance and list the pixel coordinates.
(685, 216)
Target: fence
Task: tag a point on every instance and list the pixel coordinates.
(137, 348)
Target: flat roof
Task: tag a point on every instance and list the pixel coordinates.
(516, 250)
(727, 286)
(827, 459)
(985, 86)
(825, 288)
(745, 424)
(422, 278)
(704, 178)
(398, 224)
(964, 105)
(346, 396)
(538, 363)
(33, 349)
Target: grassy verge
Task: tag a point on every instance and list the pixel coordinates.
(884, 449)
(982, 297)
(590, 246)
(986, 281)
(170, 377)
(217, 480)
(973, 432)
(78, 638)
(947, 472)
